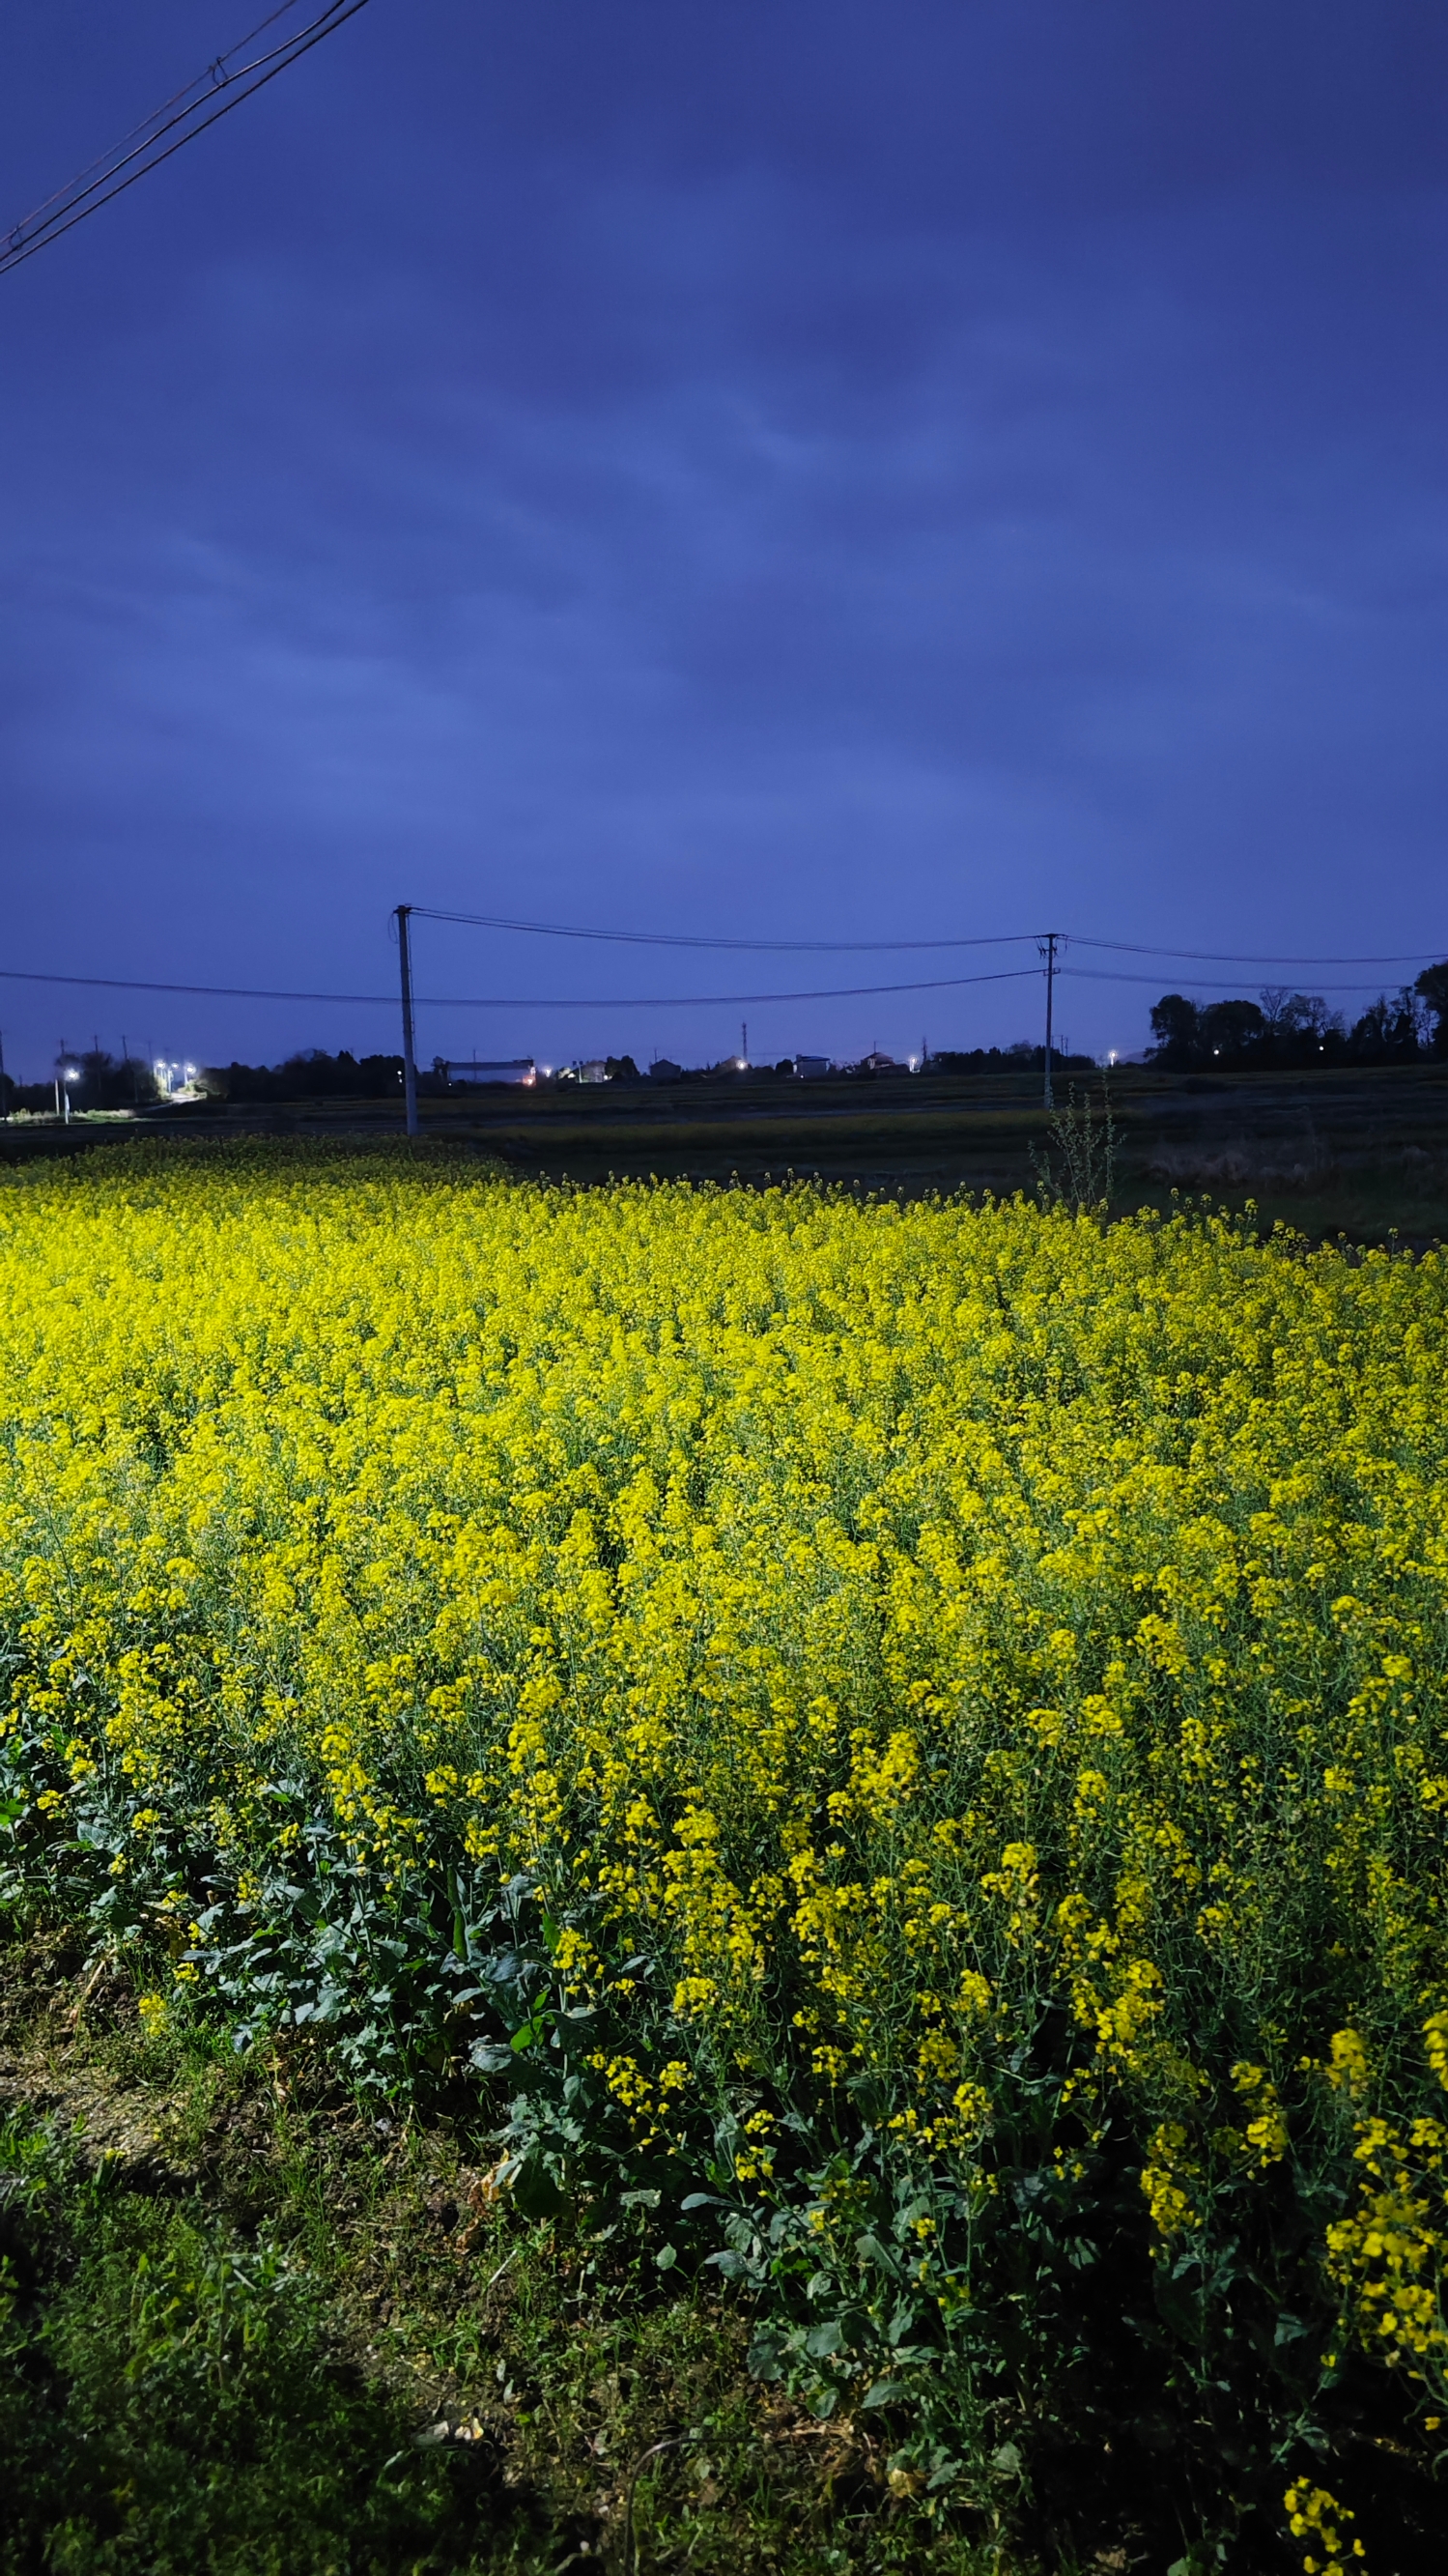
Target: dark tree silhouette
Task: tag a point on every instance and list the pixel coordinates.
(1432, 989)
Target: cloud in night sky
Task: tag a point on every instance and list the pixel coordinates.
(793, 470)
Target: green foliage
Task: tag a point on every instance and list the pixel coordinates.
(268, 2331)
(168, 2401)
(1078, 1168)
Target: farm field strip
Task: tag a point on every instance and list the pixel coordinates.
(912, 1740)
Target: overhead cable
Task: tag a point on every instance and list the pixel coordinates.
(606, 1001)
(878, 947)
(511, 1001)
(1199, 983)
(187, 113)
(691, 939)
(1216, 957)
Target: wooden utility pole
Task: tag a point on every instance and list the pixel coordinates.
(409, 1068)
(1048, 951)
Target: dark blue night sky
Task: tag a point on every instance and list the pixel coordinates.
(797, 470)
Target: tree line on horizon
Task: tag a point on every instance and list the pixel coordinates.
(104, 1081)
(1281, 1030)
(1289, 1030)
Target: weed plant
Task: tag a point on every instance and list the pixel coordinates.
(898, 1752)
(1077, 1171)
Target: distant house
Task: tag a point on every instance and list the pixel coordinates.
(473, 1076)
(664, 1069)
(596, 1069)
(877, 1063)
(811, 1068)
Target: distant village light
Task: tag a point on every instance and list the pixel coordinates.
(515, 1070)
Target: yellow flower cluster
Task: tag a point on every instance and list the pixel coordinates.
(1313, 2514)
(1387, 2255)
(929, 1643)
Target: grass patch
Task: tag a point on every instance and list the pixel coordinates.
(248, 2326)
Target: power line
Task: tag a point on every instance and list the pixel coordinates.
(878, 947)
(1203, 983)
(618, 1001)
(215, 992)
(107, 177)
(668, 939)
(511, 1001)
(1215, 957)
(151, 125)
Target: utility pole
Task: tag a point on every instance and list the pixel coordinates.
(1048, 951)
(409, 1069)
(743, 1042)
(4, 1109)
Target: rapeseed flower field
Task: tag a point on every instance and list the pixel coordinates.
(908, 1743)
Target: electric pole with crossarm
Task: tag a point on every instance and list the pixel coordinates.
(409, 1069)
(1048, 951)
